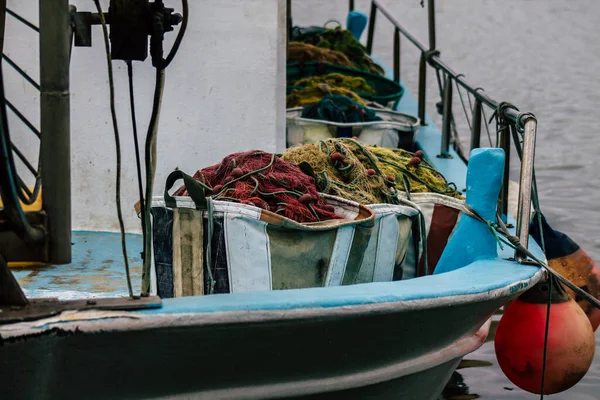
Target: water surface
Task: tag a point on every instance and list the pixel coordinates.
(542, 56)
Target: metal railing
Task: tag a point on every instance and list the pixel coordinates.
(516, 121)
(53, 170)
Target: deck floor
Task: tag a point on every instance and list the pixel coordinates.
(97, 269)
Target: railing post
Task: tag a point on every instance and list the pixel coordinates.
(431, 21)
(422, 87)
(447, 119)
(525, 184)
(503, 199)
(372, 16)
(397, 55)
(55, 150)
(476, 125)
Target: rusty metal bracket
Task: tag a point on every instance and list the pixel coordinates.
(44, 308)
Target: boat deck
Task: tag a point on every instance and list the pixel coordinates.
(97, 269)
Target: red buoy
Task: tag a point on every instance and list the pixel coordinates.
(520, 340)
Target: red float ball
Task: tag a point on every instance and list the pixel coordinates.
(519, 341)
(237, 172)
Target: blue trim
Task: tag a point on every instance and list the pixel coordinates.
(478, 278)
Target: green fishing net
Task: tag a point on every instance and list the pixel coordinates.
(342, 40)
(304, 52)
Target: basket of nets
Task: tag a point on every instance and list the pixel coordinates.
(254, 222)
(304, 77)
(339, 116)
(391, 182)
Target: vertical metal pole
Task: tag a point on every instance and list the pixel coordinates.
(55, 151)
(447, 118)
(288, 11)
(351, 5)
(372, 16)
(526, 180)
(476, 125)
(431, 20)
(503, 199)
(397, 55)
(422, 88)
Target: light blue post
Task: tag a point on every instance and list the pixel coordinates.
(356, 23)
(473, 240)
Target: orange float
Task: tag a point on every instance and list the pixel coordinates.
(520, 340)
(568, 259)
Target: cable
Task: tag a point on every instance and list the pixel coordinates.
(135, 141)
(117, 143)
(150, 146)
(180, 34)
(150, 155)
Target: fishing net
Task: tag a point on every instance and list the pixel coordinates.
(266, 181)
(411, 172)
(368, 174)
(304, 52)
(354, 83)
(343, 41)
(338, 108)
(312, 94)
(339, 171)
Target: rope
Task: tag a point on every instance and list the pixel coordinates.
(462, 102)
(117, 144)
(485, 119)
(547, 329)
(507, 238)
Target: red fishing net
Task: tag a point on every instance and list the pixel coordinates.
(265, 181)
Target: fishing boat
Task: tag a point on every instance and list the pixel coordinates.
(69, 329)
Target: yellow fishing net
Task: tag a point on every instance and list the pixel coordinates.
(368, 174)
(312, 94)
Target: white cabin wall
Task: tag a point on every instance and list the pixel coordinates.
(224, 92)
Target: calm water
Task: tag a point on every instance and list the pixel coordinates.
(543, 56)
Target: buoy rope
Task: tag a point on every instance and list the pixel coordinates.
(512, 241)
(547, 329)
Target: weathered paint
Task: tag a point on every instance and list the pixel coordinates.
(97, 269)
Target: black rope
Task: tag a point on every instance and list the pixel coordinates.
(118, 147)
(21, 19)
(507, 238)
(547, 329)
(21, 72)
(136, 144)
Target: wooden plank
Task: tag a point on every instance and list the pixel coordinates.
(44, 308)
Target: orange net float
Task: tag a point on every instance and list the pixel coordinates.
(521, 338)
(571, 261)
